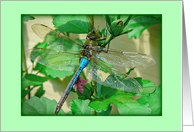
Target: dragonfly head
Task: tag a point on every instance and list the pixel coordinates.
(93, 35)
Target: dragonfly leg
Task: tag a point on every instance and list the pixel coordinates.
(102, 39)
(104, 43)
(105, 37)
(108, 47)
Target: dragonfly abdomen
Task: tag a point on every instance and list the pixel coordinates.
(83, 64)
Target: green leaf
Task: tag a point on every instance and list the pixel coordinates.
(127, 20)
(98, 92)
(118, 17)
(73, 24)
(128, 106)
(25, 92)
(27, 17)
(154, 100)
(80, 107)
(81, 40)
(107, 19)
(32, 80)
(40, 92)
(104, 113)
(41, 45)
(132, 108)
(148, 87)
(40, 106)
(107, 92)
(139, 80)
(124, 102)
(139, 24)
(130, 70)
(104, 30)
(110, 18)
(99, 105)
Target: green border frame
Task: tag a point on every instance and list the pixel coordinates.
(11, 119)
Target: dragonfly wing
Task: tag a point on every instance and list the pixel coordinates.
(41, 30)
(126, 59)
(106, 75)
(56, 39)
(57, 60)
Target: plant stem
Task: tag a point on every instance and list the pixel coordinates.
(112, 37)
(127, 31)
(91, 22)
(24, 66)
(94, 67)
(68, 34)
(127, 21)
(108, 40)
(107, 18)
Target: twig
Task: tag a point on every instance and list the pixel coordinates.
(24, 66)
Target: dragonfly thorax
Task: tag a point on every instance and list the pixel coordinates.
(87, 50)
(93, 35)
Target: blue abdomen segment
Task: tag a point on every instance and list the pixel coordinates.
(83, 64)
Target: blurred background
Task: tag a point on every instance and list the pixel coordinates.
(149, 43)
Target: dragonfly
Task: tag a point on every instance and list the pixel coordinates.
(65, 53)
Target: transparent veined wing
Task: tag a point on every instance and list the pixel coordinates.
(126, 59)
(60, 51)
(41, 30)
(110, 77)
(106, 75)
(56, 40)
(54, 59)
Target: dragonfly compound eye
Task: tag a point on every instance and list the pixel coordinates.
(94, 31)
